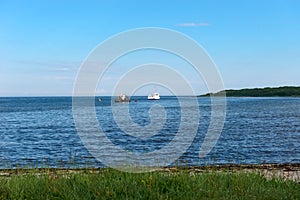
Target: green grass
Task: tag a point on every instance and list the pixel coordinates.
(112, 184)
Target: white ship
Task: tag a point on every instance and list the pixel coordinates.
(154, 96)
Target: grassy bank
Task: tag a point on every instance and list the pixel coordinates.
(174, 184)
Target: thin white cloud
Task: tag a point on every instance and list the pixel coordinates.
(63, 66)
(102, 91)
(64, 69)
(54, 66)
(62, 78)
(192, 24)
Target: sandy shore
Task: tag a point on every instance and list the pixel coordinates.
(282, 171)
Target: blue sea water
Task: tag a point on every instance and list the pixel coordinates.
(40, 131)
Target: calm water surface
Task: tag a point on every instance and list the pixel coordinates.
(40, 131)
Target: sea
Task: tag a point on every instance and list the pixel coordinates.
(41, 131)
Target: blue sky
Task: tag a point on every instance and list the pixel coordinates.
(42, 43)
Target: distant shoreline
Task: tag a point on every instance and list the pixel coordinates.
(284, 91)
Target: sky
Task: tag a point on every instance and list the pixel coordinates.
(253, 43)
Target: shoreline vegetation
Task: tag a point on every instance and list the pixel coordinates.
(284, 91)
(264, 181)
(289, 171)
